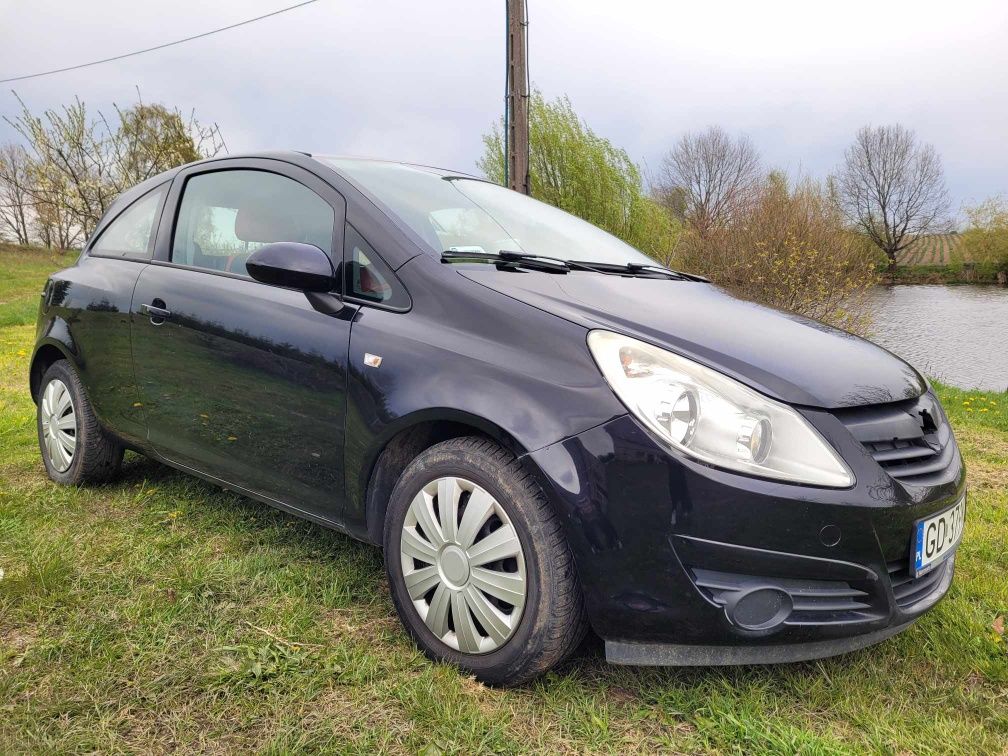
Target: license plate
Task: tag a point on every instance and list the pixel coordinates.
(936, 537)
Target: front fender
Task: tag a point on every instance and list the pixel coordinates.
(515, 373)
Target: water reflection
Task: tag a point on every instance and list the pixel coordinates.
(957, 334)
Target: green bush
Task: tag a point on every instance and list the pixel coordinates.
(573, 168)
(986, 237)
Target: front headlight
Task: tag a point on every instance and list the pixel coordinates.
(714, 418)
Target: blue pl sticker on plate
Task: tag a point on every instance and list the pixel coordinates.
(937, 536)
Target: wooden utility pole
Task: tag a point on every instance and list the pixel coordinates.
(517, 106)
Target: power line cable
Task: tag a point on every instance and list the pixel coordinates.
(159, 47)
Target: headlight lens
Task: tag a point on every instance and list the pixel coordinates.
(714, 418)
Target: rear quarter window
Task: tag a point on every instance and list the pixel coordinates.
(131, 234)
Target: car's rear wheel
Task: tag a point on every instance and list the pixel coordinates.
(75, 448)
(481, 574)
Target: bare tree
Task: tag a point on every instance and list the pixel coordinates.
(891, 187)
(15, 196)
(710, 176)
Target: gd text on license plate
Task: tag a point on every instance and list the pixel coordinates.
(936, 537)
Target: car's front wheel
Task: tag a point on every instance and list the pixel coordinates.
(75, 448)
(480, 571)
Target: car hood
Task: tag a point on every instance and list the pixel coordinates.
(787, 357)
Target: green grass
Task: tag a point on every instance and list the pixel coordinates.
(22, 273)
(159, 613)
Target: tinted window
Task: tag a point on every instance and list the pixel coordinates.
(226, 216)
(367, 276)
(131, 235)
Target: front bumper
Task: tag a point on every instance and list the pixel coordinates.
(682, 563)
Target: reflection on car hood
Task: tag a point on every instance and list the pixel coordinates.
(788, 357)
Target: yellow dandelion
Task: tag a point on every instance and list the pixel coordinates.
(138, 404)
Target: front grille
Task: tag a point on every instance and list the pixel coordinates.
(911, 440)
(909, 590)
(814, 602)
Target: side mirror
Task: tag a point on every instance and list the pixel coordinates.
(298, 266)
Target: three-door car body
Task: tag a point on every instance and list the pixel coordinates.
(734, 484)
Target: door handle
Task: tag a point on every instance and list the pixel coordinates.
(158, 315)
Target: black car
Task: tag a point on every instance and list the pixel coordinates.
(545, 430)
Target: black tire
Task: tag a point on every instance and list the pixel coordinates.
(97, 457)
(552, 623)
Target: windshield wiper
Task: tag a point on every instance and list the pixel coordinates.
(510, 258)
(507, 258)
(633, 268)
(667, 271)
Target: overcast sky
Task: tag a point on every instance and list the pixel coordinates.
(422, 81)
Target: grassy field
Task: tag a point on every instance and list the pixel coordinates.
(22, 274)
(161, 614)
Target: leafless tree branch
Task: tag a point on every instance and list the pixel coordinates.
(891, 187)
(708, 177)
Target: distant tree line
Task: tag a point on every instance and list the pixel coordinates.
(71, 164)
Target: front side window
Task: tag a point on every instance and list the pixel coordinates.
(469, 215)
(131, 234)
(225, 216)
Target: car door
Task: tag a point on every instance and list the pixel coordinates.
(242, 381)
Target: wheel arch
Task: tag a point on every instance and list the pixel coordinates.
(402, 442)
(46, 353)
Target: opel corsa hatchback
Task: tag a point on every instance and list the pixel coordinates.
(544, 429)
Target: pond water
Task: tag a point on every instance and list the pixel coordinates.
(957, 334)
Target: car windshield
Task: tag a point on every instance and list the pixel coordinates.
(459, 214)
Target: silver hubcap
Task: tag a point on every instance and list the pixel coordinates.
(463, 565)
(59, 425)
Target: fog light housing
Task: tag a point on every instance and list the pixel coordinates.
(759, 609)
